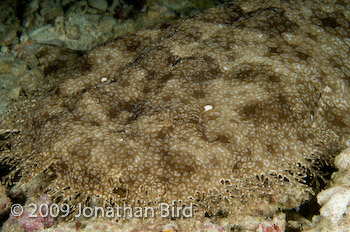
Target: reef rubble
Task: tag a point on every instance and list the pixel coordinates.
(239, 111)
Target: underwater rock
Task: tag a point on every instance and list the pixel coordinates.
(100, 4)
(17, 76)
(27, 221)
(335, 200)
(233, 110)
(5, 202)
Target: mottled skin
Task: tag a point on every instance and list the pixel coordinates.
(229, 110)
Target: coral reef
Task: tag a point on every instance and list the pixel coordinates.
(275, 224)
(5, 202)
(335, 211)
(17, 76)
(234, 110)
(84, 24)
(26, 222)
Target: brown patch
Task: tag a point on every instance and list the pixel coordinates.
(156, 58)
(270, 21)
(192, 68)
(199, 93)
(236, 167)
(173, 163)
(302, 55)
(151, 75)
(175, 62)
(246, 74)
(133, 45)
(274, 50)
(270, 148)
(165, 78)
(250, 72)
(265, 111)
(120, 191)
(338, 122)
(194, 34)
(304, 136)
(223, 139)
(113, 113)
(164, 26)
(124, 83)
(329, 22)
(251, 109)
